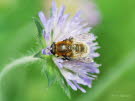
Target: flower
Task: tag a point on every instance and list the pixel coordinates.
(77, 71)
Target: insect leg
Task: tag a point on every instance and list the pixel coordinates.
(66, 58)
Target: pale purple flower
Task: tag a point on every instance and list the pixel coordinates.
(59, 27)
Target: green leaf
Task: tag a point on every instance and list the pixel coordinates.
(38, 55)
(61, 80)
(53, 74)
(49, 70)
(39, 26)
(50, 76)
(40, 32)
(64, 86)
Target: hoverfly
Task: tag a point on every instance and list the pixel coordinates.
(69, 49)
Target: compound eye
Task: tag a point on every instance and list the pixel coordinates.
(53, 47)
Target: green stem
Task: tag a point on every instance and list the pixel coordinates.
(14, 64)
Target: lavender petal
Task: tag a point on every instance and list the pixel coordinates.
(42, 18)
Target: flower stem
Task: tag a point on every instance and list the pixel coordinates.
(16, 62)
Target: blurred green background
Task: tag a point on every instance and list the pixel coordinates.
(116, 36)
